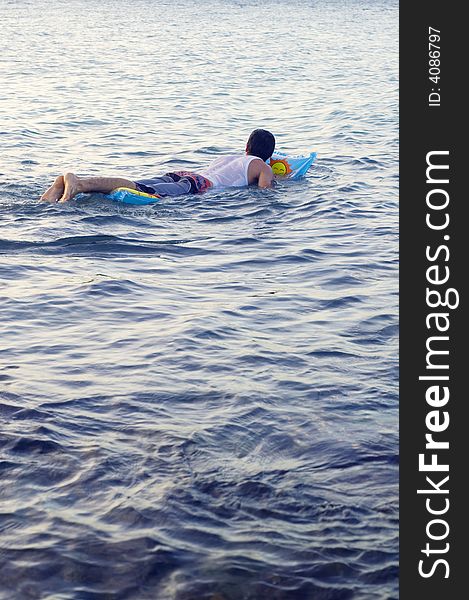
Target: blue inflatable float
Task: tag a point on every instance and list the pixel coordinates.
(291, 167)
(129, 196)
(283, 165)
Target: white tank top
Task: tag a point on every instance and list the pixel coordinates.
(229, 171)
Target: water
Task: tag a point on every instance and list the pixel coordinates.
(199, 398)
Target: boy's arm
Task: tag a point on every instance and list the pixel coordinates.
(264, 175)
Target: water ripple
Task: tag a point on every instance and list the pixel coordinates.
(199, 397)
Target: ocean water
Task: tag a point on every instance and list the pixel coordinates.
(199, 398)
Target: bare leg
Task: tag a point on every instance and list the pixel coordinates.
(74, 185)
(67, 186)
(55, 191)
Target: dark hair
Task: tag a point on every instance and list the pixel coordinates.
(261, 143)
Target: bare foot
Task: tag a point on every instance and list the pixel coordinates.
(72, 187)
(55, 191)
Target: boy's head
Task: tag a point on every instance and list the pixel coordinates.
(261, 143)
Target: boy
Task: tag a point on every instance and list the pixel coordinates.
(233, 170)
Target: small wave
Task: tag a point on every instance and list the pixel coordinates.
(107, 244)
